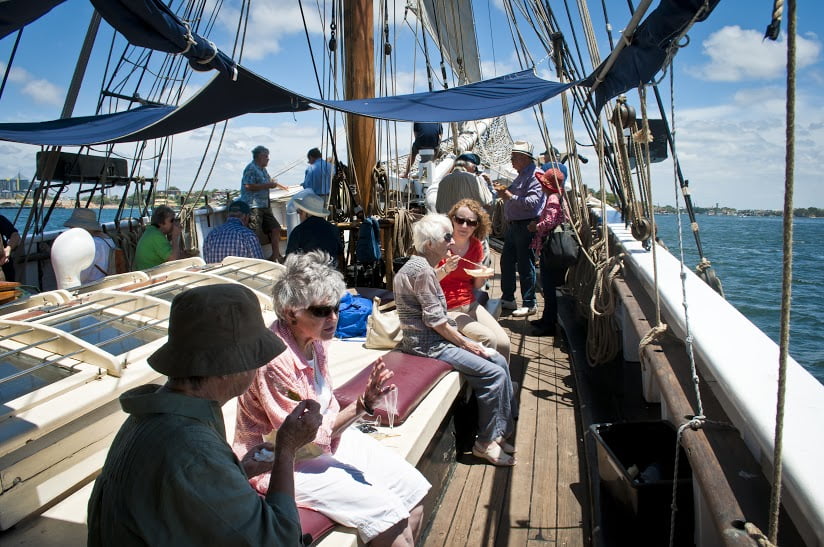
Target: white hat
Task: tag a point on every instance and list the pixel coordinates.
(522, 147)
(311, 203)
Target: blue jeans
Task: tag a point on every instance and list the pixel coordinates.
(516, 251)
(489, 379)
(549, 278)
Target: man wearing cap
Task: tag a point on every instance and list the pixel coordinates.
(104, 247)
(551, 159)
(233, 237)
(160, 241)
(523, 203)
(318, 176)
(170, 477)
(314, 231)
(254, 190)
(462, 182)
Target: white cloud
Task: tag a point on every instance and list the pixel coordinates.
(44, 92)
(737, 54)
(40, 90)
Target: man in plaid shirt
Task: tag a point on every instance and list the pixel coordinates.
(233, 238)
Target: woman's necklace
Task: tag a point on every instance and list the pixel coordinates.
(460, 249)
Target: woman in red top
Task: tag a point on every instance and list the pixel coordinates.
(470, 225)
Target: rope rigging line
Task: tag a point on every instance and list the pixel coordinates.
(786, 274)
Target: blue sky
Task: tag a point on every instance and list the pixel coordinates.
(729, 95)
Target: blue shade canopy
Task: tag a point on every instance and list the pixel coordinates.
(15, 14)
(486, 99)
(638, 63)
(223, 98)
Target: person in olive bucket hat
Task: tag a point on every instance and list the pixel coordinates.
(170, 476)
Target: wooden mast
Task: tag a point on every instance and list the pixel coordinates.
(359, 83)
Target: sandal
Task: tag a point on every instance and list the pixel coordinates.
(506, 447)
(494, 454)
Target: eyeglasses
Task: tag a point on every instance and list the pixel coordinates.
(323, 311)
(465, 221)
(447, 237)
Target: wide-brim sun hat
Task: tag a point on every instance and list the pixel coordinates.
(522, 147)
(311, 203)
(551, 179)
(215, 330)
(83, 218)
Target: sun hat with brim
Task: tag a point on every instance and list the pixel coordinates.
(522, 147)
(551, 179)
(83, 218)
(215, 330)
(311, 203)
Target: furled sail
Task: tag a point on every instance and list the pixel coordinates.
(638, 63)
(222, 99)
(452, 26)
(149, 23)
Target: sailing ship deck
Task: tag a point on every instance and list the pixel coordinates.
(544, 497)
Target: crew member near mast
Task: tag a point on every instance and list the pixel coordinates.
(254, 190)
(427, 135)
(523, 202)
(318, 177)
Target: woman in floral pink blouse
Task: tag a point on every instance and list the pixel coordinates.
(552, 182)
(344, 474)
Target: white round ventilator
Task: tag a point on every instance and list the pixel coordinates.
(71, 253)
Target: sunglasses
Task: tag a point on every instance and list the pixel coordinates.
(447, 237)
(323, 311)
(465, 221)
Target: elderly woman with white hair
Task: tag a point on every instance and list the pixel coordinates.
(344, 474)
(428, 331)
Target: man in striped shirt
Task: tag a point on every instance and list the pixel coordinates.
(233, 238)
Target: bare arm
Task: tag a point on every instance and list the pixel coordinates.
(452, 335)
(11, 245)
(299, 428)
(372, 395)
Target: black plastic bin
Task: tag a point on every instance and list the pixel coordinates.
(635, 466)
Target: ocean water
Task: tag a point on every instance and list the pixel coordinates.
(57, 218)
(746, 254)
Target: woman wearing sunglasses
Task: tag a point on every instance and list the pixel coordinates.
(344, 474)
(470, 225)
(552, 183)
(429, 332)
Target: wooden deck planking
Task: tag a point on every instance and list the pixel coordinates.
(543, 499)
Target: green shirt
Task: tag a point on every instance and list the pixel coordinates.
(153, 249)
(171, 478)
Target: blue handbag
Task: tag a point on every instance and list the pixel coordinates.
(354, 312)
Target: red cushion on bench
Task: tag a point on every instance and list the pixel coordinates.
(315, 524)
(415, 377)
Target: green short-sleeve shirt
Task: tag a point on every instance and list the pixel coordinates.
(153, 249)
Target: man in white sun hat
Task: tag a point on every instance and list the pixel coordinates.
(314, 231)
(523, 203)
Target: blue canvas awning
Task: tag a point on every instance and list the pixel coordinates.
(144, 23)
(638, 63)
(222, 99)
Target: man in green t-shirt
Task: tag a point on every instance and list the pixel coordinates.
(155, 247)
